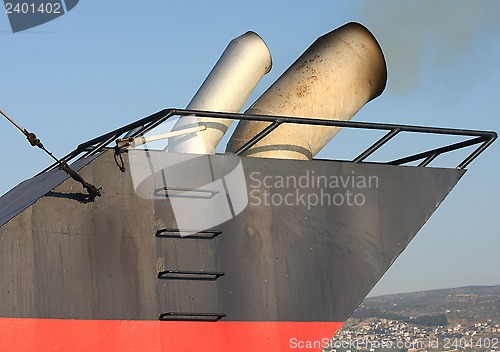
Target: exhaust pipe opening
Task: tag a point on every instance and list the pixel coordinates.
(227, 88)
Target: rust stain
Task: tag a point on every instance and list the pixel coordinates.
(302, 65)
(303, 91)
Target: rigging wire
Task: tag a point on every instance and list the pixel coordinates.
(63, 165)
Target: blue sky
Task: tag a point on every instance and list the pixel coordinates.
(108, 63)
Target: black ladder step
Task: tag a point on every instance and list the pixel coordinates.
(175, 316)
(189, 275)
(190, 193)
(188, 234)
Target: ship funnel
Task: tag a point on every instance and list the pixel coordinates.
(227, 88)
(339, 73)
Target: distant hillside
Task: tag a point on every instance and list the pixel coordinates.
(460, 319)
(436, 307)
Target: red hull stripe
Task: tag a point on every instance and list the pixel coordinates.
(44, 335)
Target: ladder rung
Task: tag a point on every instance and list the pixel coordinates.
(189, 193)
(210, 317)
(189, 275)
(189, 234)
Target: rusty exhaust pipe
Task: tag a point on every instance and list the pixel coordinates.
(338, 74)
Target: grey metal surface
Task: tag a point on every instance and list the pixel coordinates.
(62, 257)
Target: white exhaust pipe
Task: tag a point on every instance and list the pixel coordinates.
(339, 73)
(227, 88)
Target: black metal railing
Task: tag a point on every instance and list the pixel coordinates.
(480, 138)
